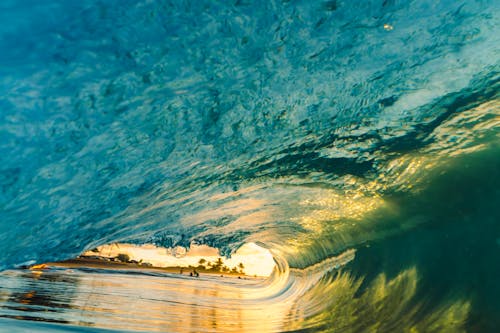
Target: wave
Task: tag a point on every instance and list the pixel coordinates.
(310, 129)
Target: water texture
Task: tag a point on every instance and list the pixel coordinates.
(309, 127)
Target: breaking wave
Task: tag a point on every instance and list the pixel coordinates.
(317, 130)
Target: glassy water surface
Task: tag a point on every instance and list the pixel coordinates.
(136, 301)
(313, 128)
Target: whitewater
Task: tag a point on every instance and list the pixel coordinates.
(357, 141)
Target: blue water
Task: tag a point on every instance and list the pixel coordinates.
(310, 128)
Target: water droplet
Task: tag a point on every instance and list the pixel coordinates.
(388, 27)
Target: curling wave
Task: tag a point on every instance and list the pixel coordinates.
(309, 128)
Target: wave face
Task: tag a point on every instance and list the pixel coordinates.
(310, 128)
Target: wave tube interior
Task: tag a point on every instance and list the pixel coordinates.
(249, 261)
(357, 141)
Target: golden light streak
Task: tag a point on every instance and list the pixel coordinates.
(257, 261)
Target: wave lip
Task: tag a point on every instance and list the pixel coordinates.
(311, 128)
(120, 121)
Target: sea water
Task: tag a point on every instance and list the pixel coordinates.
(315, 129)
(131, 300)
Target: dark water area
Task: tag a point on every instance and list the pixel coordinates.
(456, 249)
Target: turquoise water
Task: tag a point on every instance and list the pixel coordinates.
(309, 128)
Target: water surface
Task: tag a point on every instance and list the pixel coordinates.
(310, 128)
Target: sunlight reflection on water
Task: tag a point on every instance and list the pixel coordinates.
(142, 302)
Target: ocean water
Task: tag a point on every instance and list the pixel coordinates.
(128, 300)
(357, 141)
